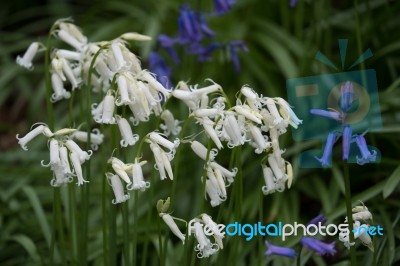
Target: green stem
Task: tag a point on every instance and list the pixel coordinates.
(160, 243)
(125, 225)
(299, 256)
(50, 122)
(349, 212)
(135, 225)
(177, 160)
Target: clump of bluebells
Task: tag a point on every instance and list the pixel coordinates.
(311, 243)
(346, 103)
(197, 39)
(130, 95)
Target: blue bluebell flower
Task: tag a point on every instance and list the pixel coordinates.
(233, 46)
(293, 3)
(168, 44)
(277, 250)
(347, 96)
(318, 219)
(203, 52)
(366, 155)
(325, 160)
(159, 67)
(328, 114)
(318, 246)
(346, 141)
(192, 25)
(223, 6)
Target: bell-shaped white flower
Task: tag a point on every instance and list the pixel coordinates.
(279, 173)
(208, 125)
(108, 110)
(76, 163)
(31, 135)
(128, 138)
(259, 141)
(213, 193)
(169, 221)
(82, 155)
(68, 55)
(65, 162)
(226, 174)
(157, 138)
(170, 125)
(74, 31)
(138, 182)
(97, 110)
(361, 213)
(269, 181)
(59, 176)
(123, 95)
(287, 112)
(213, 226)
(163, 164)
(71, 35)
(217, 182)
(273, 110)
(154, 84)
(201, 151)
(54, 153)
(58, 88)
(120, 169)
(96, 137)
(247, 112)
(204, 247)
(117, 188)
(233, 130)
(117, 53)
(134, 36)
(26, 59)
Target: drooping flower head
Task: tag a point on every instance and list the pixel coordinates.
(277, 250)
(192, 25)
(223, 6)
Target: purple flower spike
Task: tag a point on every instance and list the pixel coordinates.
(293, 3)
(277, 250)
(233, 46)
(223, 6)
(159, 67)
(319, 219)
(347, 131)
(366, 155)
(329, 114)
(192, 25)
(347, 96)
(189, 30)
(325, 159)
(168, 44)
(203, 53)
(318, 246)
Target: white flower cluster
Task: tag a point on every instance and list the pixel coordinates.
(197, 225)
(131, 173)
(256, 120)
(64, 152)
(360, 228)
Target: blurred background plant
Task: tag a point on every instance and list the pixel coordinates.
(282, 42)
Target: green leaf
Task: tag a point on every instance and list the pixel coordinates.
(28, 245)
(392, 182)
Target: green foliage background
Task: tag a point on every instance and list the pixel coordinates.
(282, 42)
